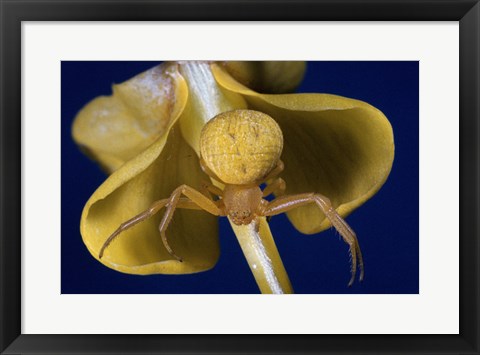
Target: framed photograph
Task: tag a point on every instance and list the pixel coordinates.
(170, 169)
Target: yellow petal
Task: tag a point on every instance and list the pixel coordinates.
(151, 176)
(113, 129)
(339, 147)
(273, 77)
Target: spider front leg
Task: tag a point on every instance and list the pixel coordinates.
(278, 187)
(285, 203)
(194, 196)
(152, 210)
(209, 189)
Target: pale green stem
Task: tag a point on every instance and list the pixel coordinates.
(262, 256)
(206, 100)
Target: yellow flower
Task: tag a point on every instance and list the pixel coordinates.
(146, 135)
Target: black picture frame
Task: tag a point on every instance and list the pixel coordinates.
(13, 12)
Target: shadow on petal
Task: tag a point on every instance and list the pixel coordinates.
(130, 190)
(272, 77)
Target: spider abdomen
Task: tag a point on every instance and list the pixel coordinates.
(241, 146)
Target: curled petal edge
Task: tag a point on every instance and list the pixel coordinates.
(114, 129)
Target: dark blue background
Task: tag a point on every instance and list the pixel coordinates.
(387, 225)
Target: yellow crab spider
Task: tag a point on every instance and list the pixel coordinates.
(241, 149)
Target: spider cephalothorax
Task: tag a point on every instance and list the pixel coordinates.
(241, 149)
